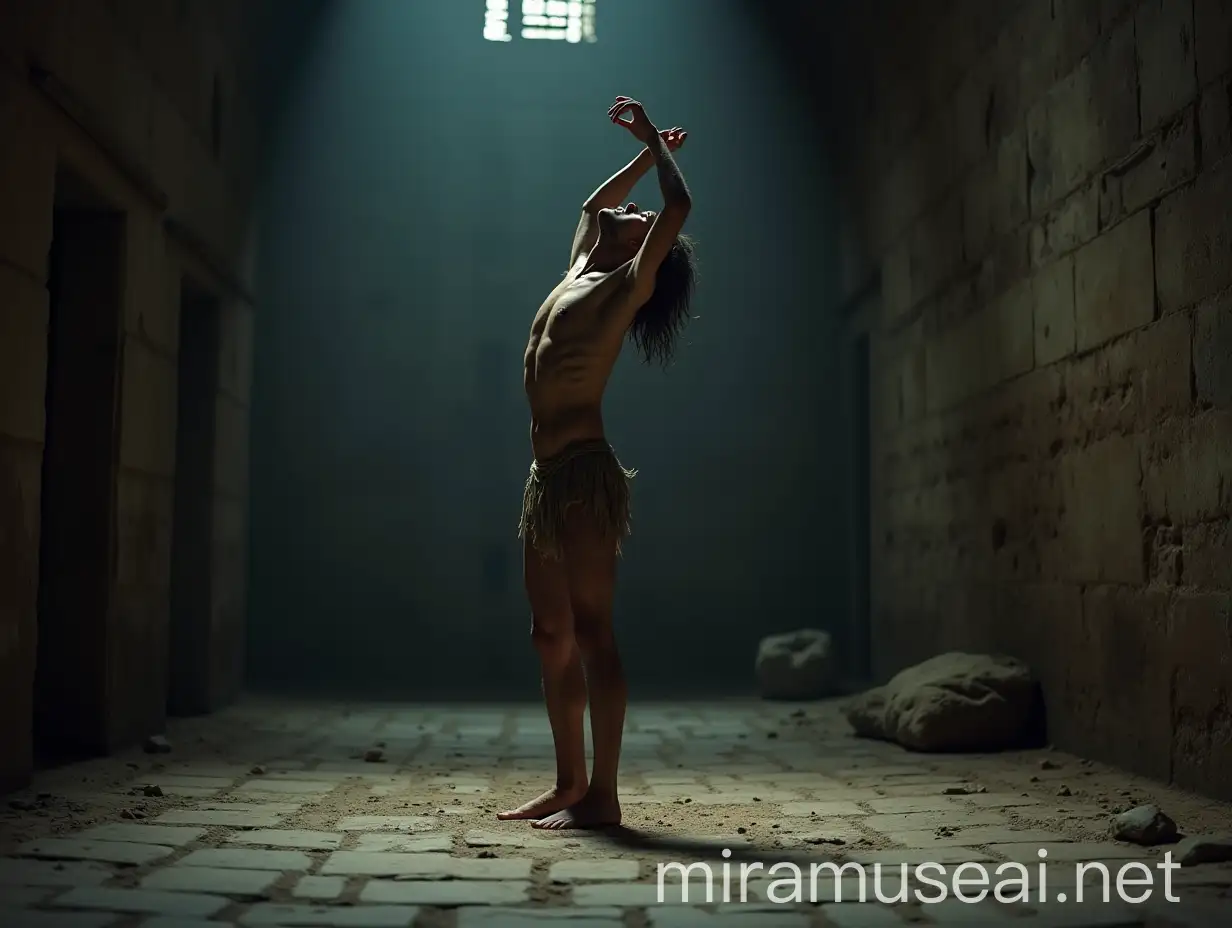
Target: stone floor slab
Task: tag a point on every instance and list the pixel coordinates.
(23, 897)
(16, 872)
(409, 844)
(211, 880)
(229, 817)
(975, 836)
(141, 902)
(861, 915)
(269, 914)
(445, 892)
(822, 808)
(111, 852)
(386, 823)
(498, 917)
(226, 858)
(267, 785)
(28, 918)
(373, 864)
(685, 916)
(131, 832)
(584, 871)
(1071, 851)
(289, 838)
(321, 888)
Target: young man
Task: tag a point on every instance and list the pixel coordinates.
(630, 274)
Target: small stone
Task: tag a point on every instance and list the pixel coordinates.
(374, 756)
(1049, 765)
(1064, 791)
(1146, 825)
(257, 771)
(741, 830)
(486, 855)
(157, 744)
(152, 789)
(1205, 849)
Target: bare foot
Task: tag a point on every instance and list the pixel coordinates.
(552, 801)
(592, 811)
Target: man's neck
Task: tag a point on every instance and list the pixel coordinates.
(605, 256)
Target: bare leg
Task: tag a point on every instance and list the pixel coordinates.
(564, 685)
(592, 582)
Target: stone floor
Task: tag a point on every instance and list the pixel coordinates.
(376, 815)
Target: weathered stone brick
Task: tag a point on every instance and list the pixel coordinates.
(1088, 118)
(936, 248)
(1200, 648)
(1128, 385)
(1102, 524)
(1071, 224)
(1212, 350)
(27, 179)
(1215, 121)
(23, 354)
(1165, 36)
(148, 410)
(1053, 292)
(1193, 238)
(1207, 555)
(1213, 37)
(1124, 633)
(1163, 163)
(1184, 468)
(995, 199)
(1114, 283)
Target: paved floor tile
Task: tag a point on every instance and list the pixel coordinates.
(167, 835)
(17, 872)
(445, 892)
(112, 852)
(141, 902)
(211, 880)
(583, 871)
(410, 844)
(289, 838)
(685, 916)
(27, 918)
(233, 817)
(386, 823)
(308, 916)
(319, 887)
(498, 917)
(247, 859)
(405, 866)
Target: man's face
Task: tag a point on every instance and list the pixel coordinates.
(627, 223)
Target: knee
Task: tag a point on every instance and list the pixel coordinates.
(594, 634)
(553, 640)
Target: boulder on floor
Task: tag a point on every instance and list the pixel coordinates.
(796, 665)
(952, 702)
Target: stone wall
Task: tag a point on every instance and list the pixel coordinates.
(148, 101)
(1037, 241)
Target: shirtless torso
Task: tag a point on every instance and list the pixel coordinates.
(575, 340)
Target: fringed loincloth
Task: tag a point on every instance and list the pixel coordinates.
(586, 474)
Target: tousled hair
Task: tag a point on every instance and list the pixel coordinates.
(662, 318)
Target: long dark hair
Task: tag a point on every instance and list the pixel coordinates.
(663, 317)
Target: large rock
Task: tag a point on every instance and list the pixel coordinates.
(797, 665)
(952, 702)
(1146, 825)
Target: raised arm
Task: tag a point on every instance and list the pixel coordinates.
(610, 194)
(613, 191)
(677, 202)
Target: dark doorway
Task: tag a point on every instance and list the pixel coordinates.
(860, 619)
(192, 530)
(85, 285)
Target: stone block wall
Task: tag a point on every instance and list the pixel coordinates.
(1037, 241)
(149, 103)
